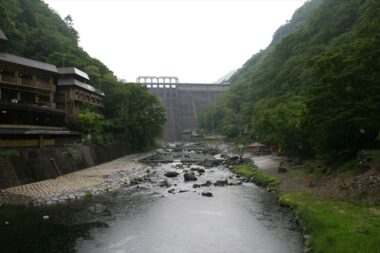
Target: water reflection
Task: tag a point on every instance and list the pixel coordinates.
(146, 218)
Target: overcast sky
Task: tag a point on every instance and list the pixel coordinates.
(197, 40)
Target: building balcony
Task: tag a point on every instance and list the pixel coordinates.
(41, 104)
(31, 83)
(9, 79)
(30, 114)
(45, 85)
(48, 107)
(90, 101)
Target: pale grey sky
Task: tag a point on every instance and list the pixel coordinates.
(198, 41)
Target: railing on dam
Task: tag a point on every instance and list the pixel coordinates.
(161, 86)
(157, 79)
(189, 86)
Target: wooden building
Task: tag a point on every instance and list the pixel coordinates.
(38, 101)
(74, 93)
(28, 113)
(257, 148)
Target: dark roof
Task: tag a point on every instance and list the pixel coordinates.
(256, 145)
(73, 71)
(2, 35)
(28, 62)
(74, 82)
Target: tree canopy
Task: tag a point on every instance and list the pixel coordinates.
(35, 31)
(315, 89)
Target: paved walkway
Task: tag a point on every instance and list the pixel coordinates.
(78, 180)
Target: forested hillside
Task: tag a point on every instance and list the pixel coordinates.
(36, 31)
(315, 89)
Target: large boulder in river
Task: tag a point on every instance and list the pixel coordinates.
(225, 156)
(207, 184)
(164, 183)
(189, 176)
(171, 174)
(221, 183)
(199, 170)
(207, 194)
(179, 166)
(234, 160)
(207, 163)
(98, 209)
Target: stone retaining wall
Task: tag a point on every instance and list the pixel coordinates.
(21, 166)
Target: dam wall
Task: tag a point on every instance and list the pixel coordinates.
(183, 103)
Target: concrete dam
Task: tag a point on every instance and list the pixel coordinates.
(183, 102)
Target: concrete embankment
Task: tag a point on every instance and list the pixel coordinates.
(22, 166)
(95, 180)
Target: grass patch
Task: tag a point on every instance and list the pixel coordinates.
(336, 226)
(88, 194)
(375, 153)
(319, 169)
(310, 167)
(349, 168)
(252, 173)
(333, 226)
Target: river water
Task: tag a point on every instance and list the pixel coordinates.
(147, 218)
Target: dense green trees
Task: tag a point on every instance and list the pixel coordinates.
(132, 114)
(91, 124)
(138, 116)
(316, 88)
(344, 101)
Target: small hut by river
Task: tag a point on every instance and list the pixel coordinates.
(257, 148)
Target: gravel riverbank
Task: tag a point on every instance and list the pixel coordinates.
(84, 183)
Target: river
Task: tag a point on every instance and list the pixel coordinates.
(146, 217)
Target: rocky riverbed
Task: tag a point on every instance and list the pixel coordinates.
(185, 200)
